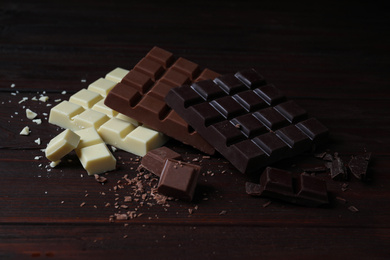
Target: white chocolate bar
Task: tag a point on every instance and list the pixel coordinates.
(61, 145)
(85, 98)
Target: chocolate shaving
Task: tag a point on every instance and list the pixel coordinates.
(100, 179)
(353, 209)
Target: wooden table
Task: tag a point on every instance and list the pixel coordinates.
(332, 59)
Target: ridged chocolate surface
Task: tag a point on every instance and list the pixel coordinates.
(249, 122)
(140, 95)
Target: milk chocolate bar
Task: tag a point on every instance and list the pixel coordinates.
(140, 94)
(251, 123)
(279, 184)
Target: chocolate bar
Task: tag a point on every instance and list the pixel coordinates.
(249, 122)
(178, 179)
(140, 95)
(154, 160)
(279, 184)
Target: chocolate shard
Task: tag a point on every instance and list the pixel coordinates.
(251, 123)
(279, 184)
(178, 179)
(338, 170)
(155, 159)
(358, 165)
(140, 95)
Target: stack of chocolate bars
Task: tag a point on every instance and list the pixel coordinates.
(247, 120)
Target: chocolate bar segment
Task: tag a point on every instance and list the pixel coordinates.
(178, 179)
(279, 184)
(251, 123)
(155, 159)
(141, 93)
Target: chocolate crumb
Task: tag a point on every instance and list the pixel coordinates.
(82, 204)
(353, 209)
(100, 179)
(266, 204)
(341, 199)
(223, 212)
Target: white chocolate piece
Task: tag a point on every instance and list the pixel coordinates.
(96, 159)
(25, 131)
(102, 108)
(44, 98)
(102, 86)
(117, 75)
(143, 139)
(62, 114)
(54, 164)
(85, 98)
(88, 137)
(30, 114)
(37, 121)
(61, 145)
(38, 141)
(125, 136)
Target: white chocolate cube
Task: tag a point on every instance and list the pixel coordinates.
(88, 137)
(116, 75)
(102, 86)
(115, 131)
(96, 159)
(85, 98)
(63, 113)
(61, 145)
(90, 118)
(142, 139)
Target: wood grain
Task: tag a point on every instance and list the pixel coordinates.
(332, 59)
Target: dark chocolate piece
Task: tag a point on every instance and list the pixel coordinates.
(338, 170)
(249, 122)
(178, 179)
(140, 95)
(358, 165)
(279, 184)
(155, 159)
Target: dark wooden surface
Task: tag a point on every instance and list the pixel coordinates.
(332, 58)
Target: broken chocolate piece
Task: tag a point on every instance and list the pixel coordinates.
(338, 170)
(154, 160)
(358, 165)
(178, 179)
(279, 184)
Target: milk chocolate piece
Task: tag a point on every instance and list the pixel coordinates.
(140, 94)
(279, 184)
(249, 122)
(155, 159)
(178, 179)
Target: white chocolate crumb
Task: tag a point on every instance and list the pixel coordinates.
(13, 85)
(38, 141)
(13, 94)
(34, 98)
(25, 131)
(57, 100)
(113, 148)
(63, 92)
(45, 114)
(23, 99)
(37, 121)
(44, 98)
(54, 164)
(38, 157)
(83, 80)
(49, 105)
(30, 114)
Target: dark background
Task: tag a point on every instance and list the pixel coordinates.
(331, 57)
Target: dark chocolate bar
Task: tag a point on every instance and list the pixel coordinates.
(140, 95)
(278, 184)
(178, 179)
(249, 122)
(155, 159)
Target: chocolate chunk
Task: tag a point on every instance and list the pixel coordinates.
(358, 165)
(178, 179)
(279, 184)
(338, 170)
(249, 122)
(140, 95)
(154, 160)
